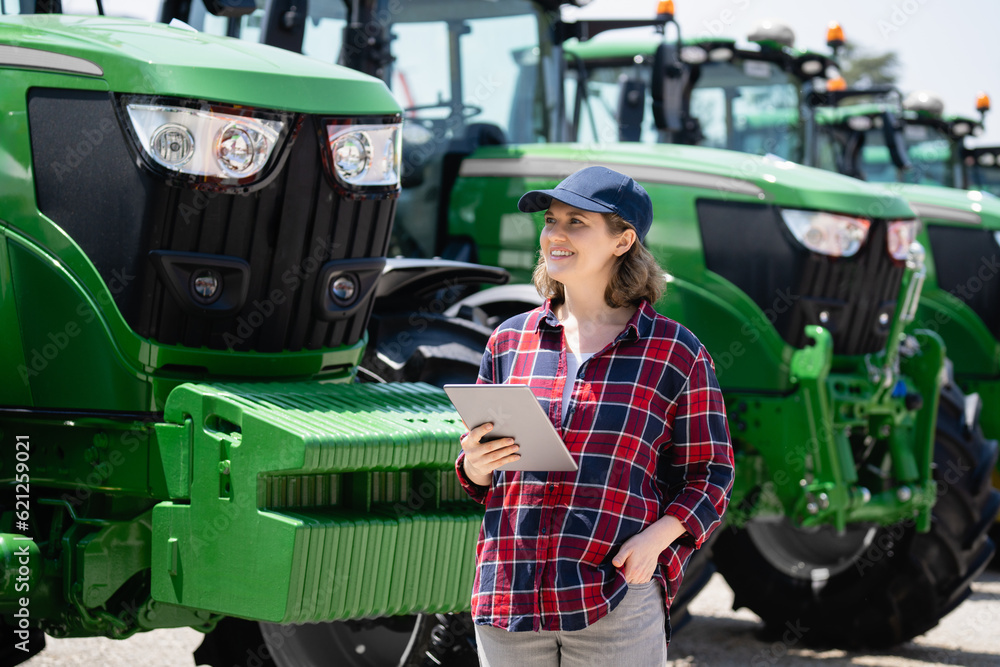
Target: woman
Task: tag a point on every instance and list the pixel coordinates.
(578, 568)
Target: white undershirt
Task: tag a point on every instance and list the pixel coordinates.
(573, 363)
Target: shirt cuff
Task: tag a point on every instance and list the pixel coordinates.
(475, 491)
(697, 532)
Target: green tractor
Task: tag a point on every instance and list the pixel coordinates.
(193, 231)
(768, 97)
(983, 163)
(921, 153)
(889, 139)
(855, 510)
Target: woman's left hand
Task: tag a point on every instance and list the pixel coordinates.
(637, 558)
(638, 555)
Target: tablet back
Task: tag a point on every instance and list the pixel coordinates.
(515, 413)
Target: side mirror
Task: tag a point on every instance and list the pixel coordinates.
(668, 88)
(894, 140)
(631, 108)
(284, 24)
(849, 162)
(230, 8)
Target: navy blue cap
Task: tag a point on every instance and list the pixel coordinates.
(600, 190)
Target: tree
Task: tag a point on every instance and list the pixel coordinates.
(862, 68)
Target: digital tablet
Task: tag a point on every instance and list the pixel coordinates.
(515, 413)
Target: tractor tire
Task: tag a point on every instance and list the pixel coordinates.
(234, 642)
(874, 587)
(995, 536)
(434, 348)
(424, 640)
(995, 529)
(10, 654)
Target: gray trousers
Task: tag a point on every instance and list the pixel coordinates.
(632, 635)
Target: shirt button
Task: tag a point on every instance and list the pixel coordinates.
(544, 530)
(552, 487)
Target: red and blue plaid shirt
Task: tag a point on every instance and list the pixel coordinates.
(647, 426)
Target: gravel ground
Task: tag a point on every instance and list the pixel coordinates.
(716, 637)
(721, 637)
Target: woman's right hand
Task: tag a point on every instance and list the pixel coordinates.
(482, 458)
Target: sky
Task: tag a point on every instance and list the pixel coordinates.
(947, 47)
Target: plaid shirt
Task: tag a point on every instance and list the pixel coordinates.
(647, 427)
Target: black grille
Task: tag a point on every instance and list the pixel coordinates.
(285, 231)
(749, 245)
(966, 263)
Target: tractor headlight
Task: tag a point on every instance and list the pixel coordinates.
(693, 55)
(721, 54)
(172, 145)
(860, 123)
(827, 233)
(365, 155)
(901, 234)
(811, 67)
(961, 128)
(206, 143)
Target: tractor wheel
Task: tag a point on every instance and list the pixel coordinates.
(429, 348)
(874, 586)
(11, 654)
(425, 640)
(406, 641)
(234, 641)
(995, 529)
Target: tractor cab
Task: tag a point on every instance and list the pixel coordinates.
(894, 139)
(747, 96)
(983, 163)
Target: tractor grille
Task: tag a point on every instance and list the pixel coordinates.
(854, 298)
(285, 232)
(966, 264)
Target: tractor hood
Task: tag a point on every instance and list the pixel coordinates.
(768, 179)
(152, 58)
(950, 205)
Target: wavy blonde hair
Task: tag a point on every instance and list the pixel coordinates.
(636, 274)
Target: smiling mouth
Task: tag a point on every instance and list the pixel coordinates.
(559, 254)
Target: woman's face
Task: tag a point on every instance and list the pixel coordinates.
(578, 249)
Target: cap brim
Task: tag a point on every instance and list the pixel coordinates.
(540, 200)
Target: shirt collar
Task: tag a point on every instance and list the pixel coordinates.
(640, 326)
(548, 316)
